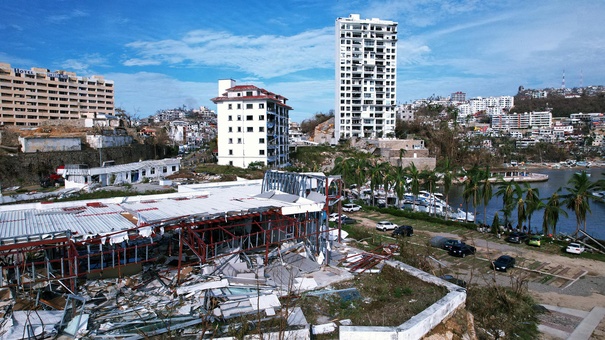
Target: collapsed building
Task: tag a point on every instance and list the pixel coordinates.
(62, 244)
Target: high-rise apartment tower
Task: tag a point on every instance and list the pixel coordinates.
(366, 68)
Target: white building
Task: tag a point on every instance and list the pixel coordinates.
(252, 125)
(521, 121)
(366, 65)
(80, 176)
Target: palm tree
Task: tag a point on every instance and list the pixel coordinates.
(552, 209)
(396, 179)
(402, 153)
(378, 176)
(532, 202)
(577, 199)
(519, 202)
(471, 189)
(486, 191)
(449, 173)
(414, 176)
(506, 189)
(430, 179)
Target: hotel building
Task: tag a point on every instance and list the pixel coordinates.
(366, 68)
(252, 126)
(29, 97)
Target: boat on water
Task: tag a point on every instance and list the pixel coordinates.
(517, 175)
(435, 204)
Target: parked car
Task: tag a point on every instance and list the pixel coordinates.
(575, 248)
(454, 280)
(333, 217)
(503, 263)
(348, 220)
(447, 245)
(516, 237)
(462, 249)
(535, 240)
(403, 230)
(386, 225)
(350, 207)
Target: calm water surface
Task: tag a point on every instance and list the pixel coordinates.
(595, 221)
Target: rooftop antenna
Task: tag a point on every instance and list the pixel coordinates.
(563, 81)
(581, 78)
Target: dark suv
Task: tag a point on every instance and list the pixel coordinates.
(403, 230)
(461, 250)
(516, 237)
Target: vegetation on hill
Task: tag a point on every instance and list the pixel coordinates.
(308, 125)
(561, 106)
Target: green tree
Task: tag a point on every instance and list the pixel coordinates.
(533, 202)
(578, 197)
(552, 210)
(486, 191)
(448, 172)
(413, 174)
(506, 189)
(471, 188)
(519, 202)
(430, 179)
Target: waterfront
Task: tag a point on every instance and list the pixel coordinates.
(595, 221)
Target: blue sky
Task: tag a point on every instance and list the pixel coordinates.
(165, 54)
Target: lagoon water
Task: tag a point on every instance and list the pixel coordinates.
(595, 221)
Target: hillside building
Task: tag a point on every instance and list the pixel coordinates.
(366, 68)
(252, 126)
(29, 97)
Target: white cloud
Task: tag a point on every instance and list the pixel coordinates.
(264, 56)
(57, 18)
(84, 65)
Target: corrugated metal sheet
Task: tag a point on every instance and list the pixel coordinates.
(105, 216)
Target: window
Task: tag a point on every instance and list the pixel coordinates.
(230, 118)
(230, 129)
(249, 117)
(239, 141)
(261, 141)
(239, 106)
(261, 106)
(249, 129)
(230, 140)
(152, 171)
(239, 129)
(239, 118)
(231, 163)
(143, 173)
(261, 129)
(248, 106)
(261, 117)
(174, 168)
(230, 106)
(164, 169)
(261, 152)
(231, 153)
(249, 93)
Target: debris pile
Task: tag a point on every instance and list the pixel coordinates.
(230, 295)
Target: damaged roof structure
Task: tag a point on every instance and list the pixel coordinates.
(95, 268)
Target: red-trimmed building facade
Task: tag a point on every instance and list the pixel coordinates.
(252, 126)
